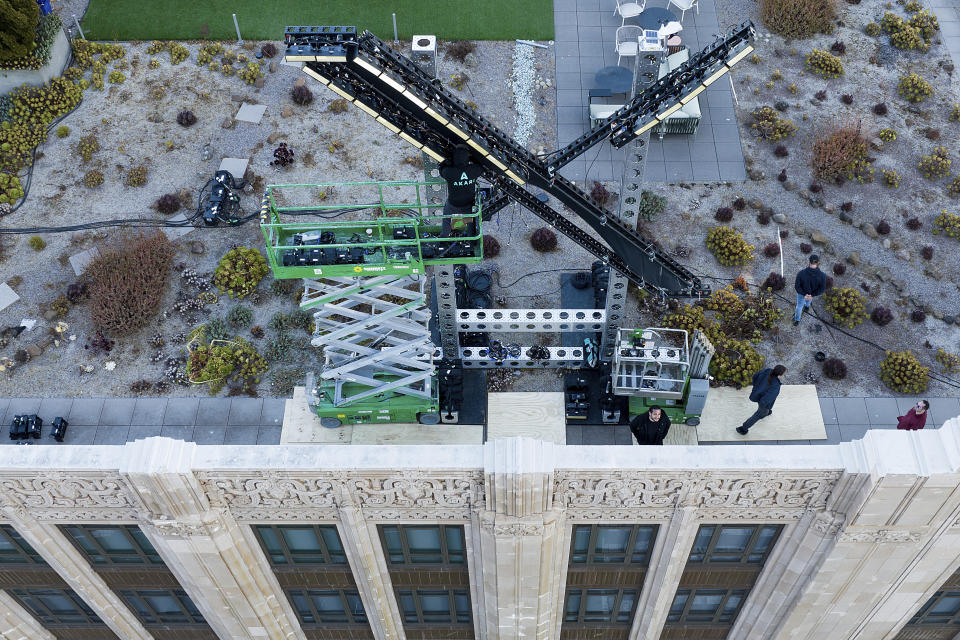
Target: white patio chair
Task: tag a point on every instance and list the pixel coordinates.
(629, 10)
(683, 5)
(628, 42)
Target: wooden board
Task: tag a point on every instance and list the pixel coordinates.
(302, 426)
(796, 415)
(528, 414)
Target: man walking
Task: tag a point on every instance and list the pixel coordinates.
(650, 427)
(766, 388)
(810, 283)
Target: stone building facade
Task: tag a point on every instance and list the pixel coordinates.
(516, 538)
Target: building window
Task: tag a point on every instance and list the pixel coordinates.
(424, 544)
(435, 606)
(291, 544)
(612, 544)
(328, 606)
(56, 606)
(15, 550)
(162, 606)
(119, 545)
(608, 606)
(709, 606)
(734, 544)
(942, 609)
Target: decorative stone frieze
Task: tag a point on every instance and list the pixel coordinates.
(56, 495)
(874, 536)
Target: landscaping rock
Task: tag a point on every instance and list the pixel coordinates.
(846, 217)
(49, 315)
(273, 66)
(876, 144)
(886, 243)
(197, 247)
(227, 123)
(756, 203)
(471, 60)
(933, 272)
(790, 185)
(830, 208)
(900, 285)
(853, 258)
(258, 83)
(756, 174)
(287, 112)
(34, 350)
(869, 230)
(903, 254)
(273, 137)
(236, 97)
(780, 218)
(299, 82)
(949, 319)
(818, 238)
(155, 118)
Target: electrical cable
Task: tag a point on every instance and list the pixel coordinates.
(937, 377)
(532, 273)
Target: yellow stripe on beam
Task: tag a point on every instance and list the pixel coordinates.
(495, 162)
(299, 58)
(740, 56)
(391, 82)
(514, 177)
(478, 148)
(693, 94)
(457, 130)
(365, 108)
(330, 58)
(664, 114)
(411, 140)
(316, 76)
(436, 116)
(649, 125)
(366, 65)
(340, 92)
(433, 154)
(388, 124)
(412, 97)
(715, 76)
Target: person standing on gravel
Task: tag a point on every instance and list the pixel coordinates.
(810, 283)
(766, 388)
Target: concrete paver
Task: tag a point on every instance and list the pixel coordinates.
(245, 411)
(7, 295)
(118, 411)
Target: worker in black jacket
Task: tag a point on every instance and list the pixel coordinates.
(766, 388)
(650, 427)
(810, 283)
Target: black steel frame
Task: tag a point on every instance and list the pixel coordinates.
(717, 614)
(48, 617)
(583, 592)
(25, 554)
(920, 617)
(417, 593)
(178, 595)
(350, 617)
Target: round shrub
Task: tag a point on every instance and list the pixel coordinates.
(268, 50)
(829, 284)
(543, 240)
(739, 204)
(815, 187)
(301, 95)
(651, 205)
(764, 218)
(240, 271)
(772, 250)
(735, 362)
(37, 243)
(914, 88)
(936, 165)
(891, 178)
(902, 372)
(723, 214)
(918, 315)
(881, 316)
(240, 316)
(846, 206)
(781, 151)
(837, 152)
(954, 187)
(948, 223)
(839, 268)
(116, 77)
(872, 29)
(774, 282)
(63, 131)
(926, 253)
(137, 176)
(914, 224)
(880, 109)
(846, 305)
(168, 203)
(883, 227)
(887, 135)
(728, 246)
(186, 118)
(846, 98)
(834, 368)
(770, 126)
(798, 18)
(491, 247)
(806, 248)
(823, 63)
(93, 178)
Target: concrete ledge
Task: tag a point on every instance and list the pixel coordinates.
(12, 78)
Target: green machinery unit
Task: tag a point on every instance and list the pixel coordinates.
(362, 252)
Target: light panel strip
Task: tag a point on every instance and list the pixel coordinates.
(715, 76)
(436, 116)
(495, 162)
(340, 91)
(412, 97)
(457, 131)
(329, 58)
(388, 124)
(316, 76)
(391, 82)
(478, 148)
(366, 65)
(740, 56)
(365, 108)
(433, 154)
(299, 58)
(664, 114)
(693, 94)
(411, 140)
(514, 177)
(649, 125)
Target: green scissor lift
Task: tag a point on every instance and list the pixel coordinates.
(371, 316)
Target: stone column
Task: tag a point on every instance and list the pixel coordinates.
(521, 540)
(204, 547)
(369, 565)
(54, 547)
(667, 562)
(16, 623)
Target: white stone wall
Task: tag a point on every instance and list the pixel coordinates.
(872, 528)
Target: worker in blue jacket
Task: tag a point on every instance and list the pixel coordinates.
(810, 283)
(766, 388)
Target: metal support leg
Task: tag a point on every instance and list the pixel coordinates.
(445, 282)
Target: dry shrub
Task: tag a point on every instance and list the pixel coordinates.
(127, 282)
(836, 151)
(798, 18)
(459, 49)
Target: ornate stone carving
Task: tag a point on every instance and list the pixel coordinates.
(828, 523)
(748, 514)
(513, 528)
(414, 491)
(183, 529)
(879, 536)
(588, 515)
(268, 490)
(615, 491)
(414, 514)
(767, 490)
(58, 496)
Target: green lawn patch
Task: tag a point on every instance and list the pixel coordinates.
(447, 19)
